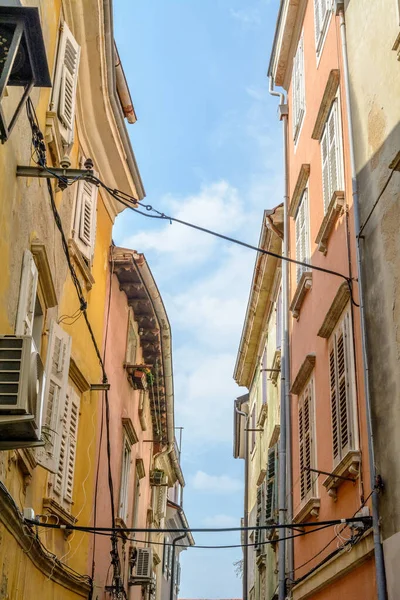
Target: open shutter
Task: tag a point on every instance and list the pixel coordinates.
(270, 500)
(257, 534)
(302, 244)
(85, 218)
(279, 320)
(318, 9)
(305, 441)
(72, 429)
(333, 148)
(27, 296)
(57, 368)
(326, 188)
(66, 81)
(344, 387)
(334, 408)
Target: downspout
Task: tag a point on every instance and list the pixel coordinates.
(285, 500)
(378, 550)
(246, 498)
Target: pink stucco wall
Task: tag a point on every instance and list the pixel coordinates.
(124, 403)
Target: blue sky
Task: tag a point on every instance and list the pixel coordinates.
(208, 145)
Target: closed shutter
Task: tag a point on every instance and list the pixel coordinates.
(326, 188)
(333, 147)
(279, 313)
(123, 495)
(131, 346)
(340, 390)
(306, 441)
(302, 235)
(65, 82)
(331, 156)
(85, 218)
(257, 534)
(271, 487)
(57, 368)
(264, 378)
(27, 296)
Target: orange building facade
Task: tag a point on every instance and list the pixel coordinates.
(329, 450)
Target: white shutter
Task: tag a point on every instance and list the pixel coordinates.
(85, 218)
(302, 235)
(298, 88)
(123, 495)
(326, 188)
(65, 81)
(318, 11)
(27, 296)
(57, 368)
(64, 479)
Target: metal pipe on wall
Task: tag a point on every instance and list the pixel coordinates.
(285, 478)
(378, 550)
(246, 502)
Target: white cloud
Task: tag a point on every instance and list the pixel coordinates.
(221, 521)
(217, 484)
(249, 17)
(216, 206)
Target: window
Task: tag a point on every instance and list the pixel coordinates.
(136, 499)
(124, 489)
(322, 11)
(302, 234)
(166, 552)
(271, 494)
(264, 377)
(332, 179)
(341, 389)
(279, 320)
(306, 440)
(65, 81)
(131, 342)
(84, 225)
(260, 518)
(55, 392)
(298, 89)
(64, 478)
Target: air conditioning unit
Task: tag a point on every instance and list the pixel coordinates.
(22, 382)
(156, 477)
(142, 570)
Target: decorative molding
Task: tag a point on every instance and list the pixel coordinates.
(76, 254)
(45, 563)
(303, 374)
(261, 476)
(130, 430)
(305, 284)
(141, 471)
(300, 186)
(38, 250)
(78, 377)
(276, 364)
(335, 310)
(275, 435)
(326, 103)
(336, 568)
(120, 524)
(63, 516)
(349, 466)
(310, 508)
(262, 415)
(53, 139)
(396, 46)
(335, 209)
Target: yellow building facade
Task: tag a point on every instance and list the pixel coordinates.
(82, 116)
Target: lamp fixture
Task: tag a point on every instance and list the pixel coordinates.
(23, 61)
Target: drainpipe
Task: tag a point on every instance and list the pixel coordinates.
(378, 550)
(285, 455)
(246, 498)
(171, 587)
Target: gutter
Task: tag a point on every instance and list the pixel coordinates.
(146, 276)
(123, 90)
(115, 100)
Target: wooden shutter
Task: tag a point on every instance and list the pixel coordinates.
(27, 296)
(131, 346)
(279, 320)
(271, 491)
(125, 468)
(298, 98)
(56, 369)
(340, 385)
(257, 535)
(306, 441)
(318, 10)
(85, 218)
(66, 80)
(326, 188)
(302, 242)
(264, 378)
(64, 479)
(333, 147)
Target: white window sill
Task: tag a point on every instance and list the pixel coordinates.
(305, 284)
(334, 211)
(349, 466)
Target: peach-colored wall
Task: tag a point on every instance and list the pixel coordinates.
(304, 338)
(124, 402)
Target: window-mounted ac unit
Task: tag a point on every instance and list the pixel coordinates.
(22, 381)
(142, 570)
(156, 477)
